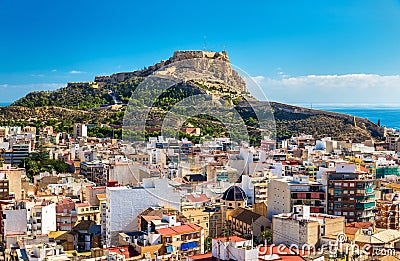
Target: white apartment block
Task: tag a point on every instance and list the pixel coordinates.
(124, 204)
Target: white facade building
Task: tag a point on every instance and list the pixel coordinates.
(43, 218)
(124, 204)
(15, 222)
(80, 130)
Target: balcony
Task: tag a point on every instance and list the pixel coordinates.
(365, 205)
(308, 195)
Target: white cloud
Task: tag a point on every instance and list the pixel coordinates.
(37, 75)
(258, 79)
(76, 72)
(370, 88)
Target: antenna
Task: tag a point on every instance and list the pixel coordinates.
(205, 43)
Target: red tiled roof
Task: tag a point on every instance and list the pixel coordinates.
(124, 250)
(351, 230)
(231, 239)
(359, 224)
(201, 198)
(177, 230)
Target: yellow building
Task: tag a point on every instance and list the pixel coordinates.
(88, 212)
(209, 218)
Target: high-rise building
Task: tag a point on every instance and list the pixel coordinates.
(350, 193)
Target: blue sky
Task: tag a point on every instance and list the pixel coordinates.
(298, 51)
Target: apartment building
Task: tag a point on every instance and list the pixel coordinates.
(182, 241)
(124, 204)
(350, 193)
(80, 130)
(66, 214)
(287, 192)
(95, 171)
(43, 218)
(301, 227)
(4, 186)
(387, 214)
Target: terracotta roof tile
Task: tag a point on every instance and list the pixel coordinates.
(199, 199)
(177, 230)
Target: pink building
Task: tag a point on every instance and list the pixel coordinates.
(66, 214)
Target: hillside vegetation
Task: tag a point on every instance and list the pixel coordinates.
(84, 102)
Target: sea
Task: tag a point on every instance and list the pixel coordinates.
(2, 104)
(387, 114)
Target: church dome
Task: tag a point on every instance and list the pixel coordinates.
(234, 193)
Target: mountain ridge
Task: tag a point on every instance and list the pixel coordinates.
(82, 102)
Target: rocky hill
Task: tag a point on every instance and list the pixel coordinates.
(85, 102)
(293, 120)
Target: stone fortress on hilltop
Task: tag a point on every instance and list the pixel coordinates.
(182, 55)
(227, 73)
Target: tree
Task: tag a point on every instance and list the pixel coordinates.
(267, 235)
